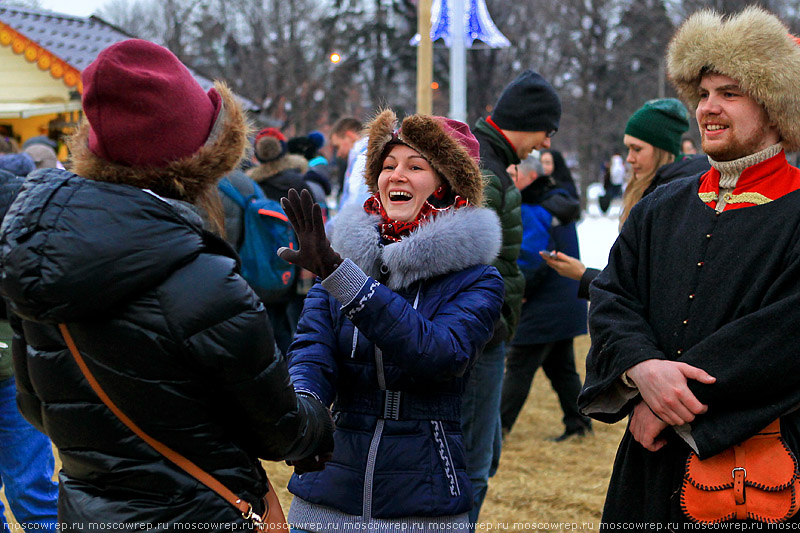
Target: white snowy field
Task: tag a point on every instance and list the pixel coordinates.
(597, 232)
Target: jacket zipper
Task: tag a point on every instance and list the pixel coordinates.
(372, 456)
(369, 473)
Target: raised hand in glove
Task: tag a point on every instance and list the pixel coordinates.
(315, 253)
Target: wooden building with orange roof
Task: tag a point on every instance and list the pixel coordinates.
(42, 54)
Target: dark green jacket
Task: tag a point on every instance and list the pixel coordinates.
(502, 196)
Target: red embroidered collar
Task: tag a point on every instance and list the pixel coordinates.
(758, 184)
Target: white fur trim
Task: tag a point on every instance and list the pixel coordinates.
(453, 241)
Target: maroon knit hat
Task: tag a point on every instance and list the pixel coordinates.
(144, 107)
(461, 133)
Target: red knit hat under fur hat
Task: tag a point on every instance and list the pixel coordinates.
(269, 145)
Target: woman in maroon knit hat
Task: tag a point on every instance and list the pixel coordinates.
(119, 252)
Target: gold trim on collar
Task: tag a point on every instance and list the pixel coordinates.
(707, 196)
(743, 198)
(749, 198)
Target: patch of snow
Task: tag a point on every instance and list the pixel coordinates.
(598, 232)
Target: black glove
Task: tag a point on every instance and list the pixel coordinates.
(315, 463)
(320, 422)
(315, 253)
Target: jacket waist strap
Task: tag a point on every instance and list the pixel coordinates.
(400, 405)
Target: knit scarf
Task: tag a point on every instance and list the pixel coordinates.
(394, 230)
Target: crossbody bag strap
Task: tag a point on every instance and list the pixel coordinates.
(182, 462)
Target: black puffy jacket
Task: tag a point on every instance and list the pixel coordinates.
(172, 332)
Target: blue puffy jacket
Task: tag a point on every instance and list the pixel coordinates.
(551, 311)
(395, 355)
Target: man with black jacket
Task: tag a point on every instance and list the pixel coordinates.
(526, 115)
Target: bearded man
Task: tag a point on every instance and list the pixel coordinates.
(694, 321)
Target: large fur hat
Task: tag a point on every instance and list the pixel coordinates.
(754, 48)
(448, 145)
(149, 124)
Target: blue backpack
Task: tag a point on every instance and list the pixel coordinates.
(265, 228)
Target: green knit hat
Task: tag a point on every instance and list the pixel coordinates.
(660, 122)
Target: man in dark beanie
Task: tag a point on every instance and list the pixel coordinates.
(694, 320)
(523, 119)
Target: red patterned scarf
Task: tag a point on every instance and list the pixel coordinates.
(394, 230)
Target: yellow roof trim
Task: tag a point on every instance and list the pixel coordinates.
(45, 60)
(27, 109)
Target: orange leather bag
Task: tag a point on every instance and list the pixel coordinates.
(757, 480)
(273, 518)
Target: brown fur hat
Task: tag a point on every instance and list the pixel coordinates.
(265, 171)
(269, 148)
(186, 179)
(432, 139)
(754, 48)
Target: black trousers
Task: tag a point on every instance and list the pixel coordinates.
(558, 360)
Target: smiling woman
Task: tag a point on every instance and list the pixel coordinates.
(407, 302)
(652, 136)
(405, 182)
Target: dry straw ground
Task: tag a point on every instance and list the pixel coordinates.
(539, 482)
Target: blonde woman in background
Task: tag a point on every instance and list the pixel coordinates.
(653, 138)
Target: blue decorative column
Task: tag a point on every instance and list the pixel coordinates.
(477, 25)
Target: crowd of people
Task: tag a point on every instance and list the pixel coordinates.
(413, 294)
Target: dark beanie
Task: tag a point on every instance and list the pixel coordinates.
(303, 146)
(661, 123)
(529, 103)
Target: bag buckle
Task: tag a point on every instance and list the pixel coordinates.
(738, 469)
(391, 405)
(254, 518)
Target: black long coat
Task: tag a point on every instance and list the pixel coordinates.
(716, 291)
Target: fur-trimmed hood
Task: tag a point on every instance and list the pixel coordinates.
(453, 241)
(754, 48)
(185, 179)
(426, 135)
(265, 171)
